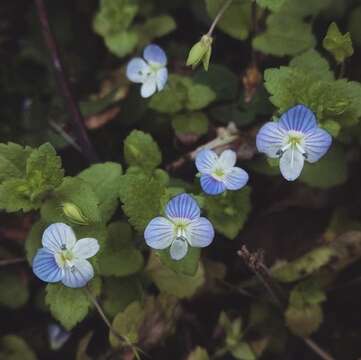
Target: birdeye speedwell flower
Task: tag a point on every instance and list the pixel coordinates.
(151, 71)
(293, 139)
(64, 258)
(218, 173)
(181, 227)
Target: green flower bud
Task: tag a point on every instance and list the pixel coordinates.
(74, 214)
(201, 51)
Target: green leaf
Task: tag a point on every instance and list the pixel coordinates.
(13, 347)
(332, 127)
(141, 196)
(15, 196)
(354, 25)
(33, 240)
(340, 46)
(307, 292)
(228, 212)
(186, 266)
(75, 191)
(119, 257)
(127, 324)
(328, 172)
(235, 21)
(122, 43)
(105, 187)
(70, 306)
(118, 293)
(198, 353)
(141, 150)
(243, 351)
(170, 282)
(273, 5)
(190, 123)
(304, 321)
(14, 292)
(199, 97)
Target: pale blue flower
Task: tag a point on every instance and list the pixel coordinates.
(181, 227)
(57, 336)
(218, 173)
(63, 258)
(151, 71)
(295, 138)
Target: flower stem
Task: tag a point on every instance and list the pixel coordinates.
(12, 261)
(221, 11)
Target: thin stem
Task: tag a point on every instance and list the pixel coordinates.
(64, 86)
(218, 16)
(64, 135)
(12, 261)
(322, 353)
(341, 74)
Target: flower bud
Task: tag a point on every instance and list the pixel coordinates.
(201, 51)
(74, 214)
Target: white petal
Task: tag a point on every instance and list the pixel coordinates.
(178, 249)
(227, 159)
(291, 164)
(162, 77)
(201, 232)
(317, 143)
(269, 139)
(236, 179)
(155, 55)
(137, 70)
(149, 87)
(57, 236)
(85, 248)
(159, 233)
(79, 275)
(205, 161)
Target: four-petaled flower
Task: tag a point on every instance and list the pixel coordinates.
(151, 72)
(181, 227)
(218, 173)
(63, 258)
(295, 138)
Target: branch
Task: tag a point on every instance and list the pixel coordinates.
(64, 86)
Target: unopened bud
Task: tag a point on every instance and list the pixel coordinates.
(74, 214)
(201, 51)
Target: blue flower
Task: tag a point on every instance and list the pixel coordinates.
(63, 258)
(151, 72)
(182, 227)
(295, 138)
(57, 336)
(218, 173)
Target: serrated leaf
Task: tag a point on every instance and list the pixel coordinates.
(70, 306)
(340, 46)
(236, 20)
(229, 212)
(13, 347)
(119, 257)
(141, 150)
(14, 292)
(104, 179)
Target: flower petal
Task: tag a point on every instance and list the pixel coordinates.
(212, 186)
(291, 164)
(45, 266)
(178, 249)
(159, 233)
(205, 160)
(201, 232)
(269, 139)
(298, 118)
(161, 78)
(182, 206)
(57, 336)
(78, 275)
(227, 159)
(236, 179)
(317, 143)
(57, 236)
(155, 55)
(149, 87)
(137, 70)
(85, 248)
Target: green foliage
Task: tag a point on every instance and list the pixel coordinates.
(13, 347)
(340, 46)
(141, 150)
(191, 123)
(70, 306)
(119, 257)
(228, 212)
(273, 5)
(33, 240)
(200, 52)
(354, 25)
(198, 353)
(104, 180)
(28, 186)
(181, 93)
(236, 20)
(172, 283)
(14, 292)
(141, 196)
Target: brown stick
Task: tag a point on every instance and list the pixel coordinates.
(64, 86)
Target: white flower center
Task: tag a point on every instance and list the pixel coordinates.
(64, 258)
(295, 141)
(180, 229)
